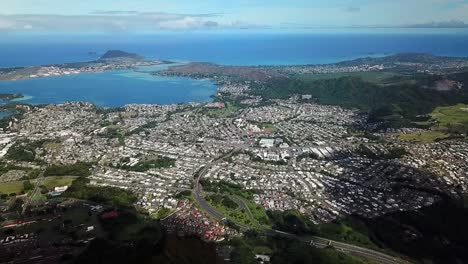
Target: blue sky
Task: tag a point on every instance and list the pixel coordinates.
(176, 15)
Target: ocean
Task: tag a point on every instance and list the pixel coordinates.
(111, 89)
(118, 88)
(238, 49)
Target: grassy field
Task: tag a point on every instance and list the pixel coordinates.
(11, 187)
(424, 137)
(448, 120)
(58, 181)
(49, 182)
(377, 77)
(268, 127)
(223, 112)
(258, 213)
(451, 117)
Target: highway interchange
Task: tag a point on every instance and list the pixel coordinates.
(315, 241)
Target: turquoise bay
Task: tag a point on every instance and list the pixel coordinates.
(111, 89)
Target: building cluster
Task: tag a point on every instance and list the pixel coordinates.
(189, 221)
(325, 68)
(72, 69)
(293, 155)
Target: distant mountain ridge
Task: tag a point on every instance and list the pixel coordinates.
(423, 58)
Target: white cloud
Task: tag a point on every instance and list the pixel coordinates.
(112, 21)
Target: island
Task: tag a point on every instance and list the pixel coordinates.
(10, 97)
(119, 55)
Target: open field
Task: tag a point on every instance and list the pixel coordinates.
(448, 120)
(269, 128)
(49, 182)
(451, 117)
(424, 137)
(58, 181)
(11, 187)
(223, 112)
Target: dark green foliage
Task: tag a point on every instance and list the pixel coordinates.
(299, 253)
(109, 195)
(183, 194)
(242, 253)
(27, 186)
(23, 151)
(396, 153)
(291, 221)
(347, 230)
(437, 233)
(142, 166)
(143, 128)
(226, 188)
(284, 251)
(223, 200)
(130, 240)
(77, 169)
(394, 103)
(33, 174)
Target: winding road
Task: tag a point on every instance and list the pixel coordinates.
(315, 241)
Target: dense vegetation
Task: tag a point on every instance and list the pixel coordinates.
(226, 188)
(291, 221)
(134, 238)
(397, 103)
(436, 234)
(24, 150)
(142, 166)
(222, 200)
(77, 169)
(284, 251)
(108, 195)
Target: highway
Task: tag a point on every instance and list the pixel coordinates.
(315, 241)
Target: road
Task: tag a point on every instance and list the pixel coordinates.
(315, 241)
(40, 179)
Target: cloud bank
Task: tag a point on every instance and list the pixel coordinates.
(115, 21)
(440, 24)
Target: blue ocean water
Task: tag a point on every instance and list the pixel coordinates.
(111, 89)
(125, 87)
(239, 49)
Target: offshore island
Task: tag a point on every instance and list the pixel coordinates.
(362, 161)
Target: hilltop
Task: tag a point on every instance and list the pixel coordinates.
(118, 54)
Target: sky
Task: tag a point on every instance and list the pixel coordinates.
(225, 15)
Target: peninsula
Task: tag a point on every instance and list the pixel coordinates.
(111, 60)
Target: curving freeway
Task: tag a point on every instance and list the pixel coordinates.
(315, 241)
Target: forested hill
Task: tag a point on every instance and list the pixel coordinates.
(397, 102)
(118, 54)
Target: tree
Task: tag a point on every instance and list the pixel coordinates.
(27, 186)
